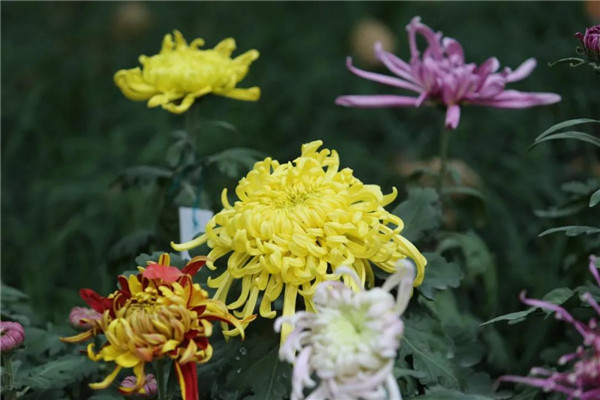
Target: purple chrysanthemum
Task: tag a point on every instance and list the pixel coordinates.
(83, 318)
(440, 75)
(148, 391)
(590, 40)
(583, 380)
(12, 335)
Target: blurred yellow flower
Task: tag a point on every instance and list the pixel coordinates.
(294, 224)
(180, 73)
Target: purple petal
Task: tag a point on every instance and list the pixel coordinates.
(489, 66)
(376, 101)
(454, 51)
(516, 99)
(452, 116)
(394, 64)
(434, 48)
(386, 80)
(522, 72)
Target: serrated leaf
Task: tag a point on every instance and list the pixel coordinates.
(132, 244)
(431, 351)
(141, 175)
(41, 342)
(566, 124)
(420, 212)
(572, 230)
(439, 275)
(235, 162)
(595, 199)
(58, 373)
(442, 393)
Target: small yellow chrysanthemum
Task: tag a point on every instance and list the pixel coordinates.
(294, 225)
(182, 72)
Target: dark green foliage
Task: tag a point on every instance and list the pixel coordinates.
(91, 179)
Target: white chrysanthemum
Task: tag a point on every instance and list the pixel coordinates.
(351, 341)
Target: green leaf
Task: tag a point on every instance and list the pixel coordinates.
(442, 393)
(58, 373)
(557, 212)
(572, 230)
(512, 318)
(595, 199)
(141, 175)
(420, 212)
(557, 296)
(566, 124)
(235, 162)
(11, 294)
(250, 369)
(439, 275)
(131, 244)
(585, 137)
(431, 351)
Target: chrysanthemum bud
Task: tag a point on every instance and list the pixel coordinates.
(12, 335)
(81, 318)
(590, 41)
(148, 391)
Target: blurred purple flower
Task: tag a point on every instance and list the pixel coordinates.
(583, 381)
(590, 41)
(12, 335)
(148, 391)
(441, 75)
(82, 318)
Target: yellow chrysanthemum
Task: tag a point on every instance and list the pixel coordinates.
(158, 313)
(179, 74)
(294, 224)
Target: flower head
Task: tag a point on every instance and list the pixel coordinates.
(83, 318)
(583, 381)
(350, 341)
(590, 40)
(180, 73)
(440, 75)
(294, 224)
(153, 316)
(12, 335)
(149, 390)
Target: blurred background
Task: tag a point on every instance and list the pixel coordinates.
(68, 132)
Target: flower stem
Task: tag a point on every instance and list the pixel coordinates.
(161, 385)
(9, 392)
(444, 142)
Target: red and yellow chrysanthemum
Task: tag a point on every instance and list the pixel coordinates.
(157, 313)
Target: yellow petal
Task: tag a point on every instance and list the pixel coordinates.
(107, 381)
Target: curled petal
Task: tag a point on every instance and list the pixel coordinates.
(522, 72)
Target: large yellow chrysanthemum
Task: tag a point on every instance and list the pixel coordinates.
(179, 74)
(294, 224)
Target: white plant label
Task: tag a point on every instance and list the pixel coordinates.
(192, 221)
